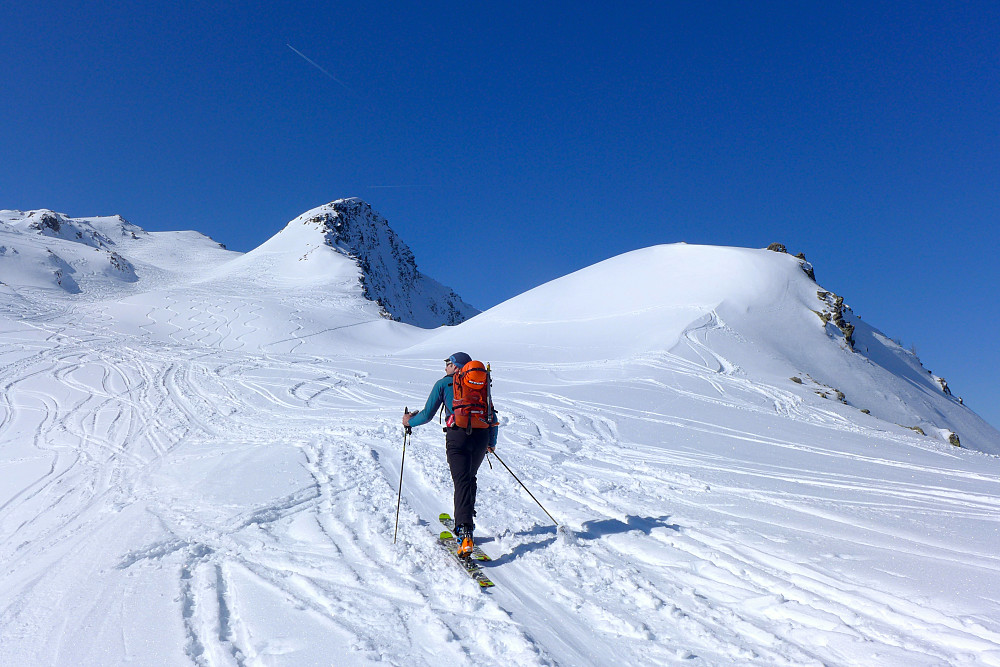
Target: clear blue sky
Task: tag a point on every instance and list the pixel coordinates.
(546, 136)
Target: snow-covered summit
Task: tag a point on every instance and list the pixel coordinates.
(744, 312)
(347, 243)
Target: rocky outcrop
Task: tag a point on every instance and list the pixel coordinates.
(389, 274)
(804, 264)
(833, 313)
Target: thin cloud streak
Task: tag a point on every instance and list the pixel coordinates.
(314, 64)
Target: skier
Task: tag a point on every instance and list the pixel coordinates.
(465, 448)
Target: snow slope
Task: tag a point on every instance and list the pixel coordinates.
(346, 246)
(49, 250)
(201, 467)
(743, 312)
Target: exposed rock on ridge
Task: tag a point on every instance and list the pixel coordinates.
(389, 274)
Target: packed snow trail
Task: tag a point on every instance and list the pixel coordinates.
(174, 504)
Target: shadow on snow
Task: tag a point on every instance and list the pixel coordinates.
(590, 530)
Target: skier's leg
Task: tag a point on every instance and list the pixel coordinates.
(476, 445)
(458, 462)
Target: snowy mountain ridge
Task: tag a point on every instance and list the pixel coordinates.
(201, 466)
(388, 270)
(343, 255)
(373, 256)
(759, 311)
(43, 248)
(83, 230)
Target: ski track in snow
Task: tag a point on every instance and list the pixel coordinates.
(248, 493)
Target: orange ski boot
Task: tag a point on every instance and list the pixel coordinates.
(465, 543)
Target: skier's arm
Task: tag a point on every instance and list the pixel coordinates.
(434, 402)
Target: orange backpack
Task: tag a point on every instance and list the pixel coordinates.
(473, 405)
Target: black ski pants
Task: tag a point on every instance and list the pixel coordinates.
(465, 454)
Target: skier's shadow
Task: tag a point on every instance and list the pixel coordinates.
(590, 530)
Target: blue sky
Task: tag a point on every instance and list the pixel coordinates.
(547, 137)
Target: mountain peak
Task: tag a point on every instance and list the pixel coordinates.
(388, 269)
(741, 312)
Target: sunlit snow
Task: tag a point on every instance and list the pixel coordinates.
(199, 464)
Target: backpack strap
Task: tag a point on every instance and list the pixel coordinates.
(441, 411)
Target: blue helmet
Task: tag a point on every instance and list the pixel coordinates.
(459, 359)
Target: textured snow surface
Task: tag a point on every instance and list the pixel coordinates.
(200, 467)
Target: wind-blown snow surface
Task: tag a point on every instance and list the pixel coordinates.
(201, 467)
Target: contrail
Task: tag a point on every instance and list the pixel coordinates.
(308, 60)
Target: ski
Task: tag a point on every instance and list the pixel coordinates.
(471, 567)
(449, 523)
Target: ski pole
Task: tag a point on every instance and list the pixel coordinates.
(525, 488)
(406, 433)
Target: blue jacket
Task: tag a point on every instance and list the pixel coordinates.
(442, 393)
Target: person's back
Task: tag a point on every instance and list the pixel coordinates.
(470, 433)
